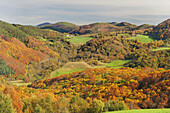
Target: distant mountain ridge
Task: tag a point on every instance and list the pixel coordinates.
(66, 27)
(42, 24)
(63, 27)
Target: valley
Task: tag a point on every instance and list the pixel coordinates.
(100, 67)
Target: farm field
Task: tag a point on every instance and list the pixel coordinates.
(63, 71)
(81, 66)
(114, 64)
(162, 48)
(117, 63)
(142, 38)
(78, 40)
(20, 83)
(70, 68)
(143, 111)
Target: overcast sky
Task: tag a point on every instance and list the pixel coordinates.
(33, 12)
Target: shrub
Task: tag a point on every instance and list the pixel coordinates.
(16, 100)
(5, 104)
(78, 105)
(96, 106)
(38, 109)
(114, 105)
(63, 105)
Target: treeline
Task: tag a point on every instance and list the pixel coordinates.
(48, 104)
(20, 58)
(162, 31)
(24, 32)
(138, 88)
(115, 48)
(4, 69)
(149, 58)
(91, 91)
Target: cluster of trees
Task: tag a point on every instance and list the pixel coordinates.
(42, 70)
(104, 28)
(37, 32)
(75, 104)
(26, 100)
(65, 48)
(17, 52)
(106, 50)
(23, 32)
(11, 31)
(138, 88)
(17, 56)
(63, 27)
(21, 45)
(103, 50)
(149, 58)
(4, 69)
(161, 31)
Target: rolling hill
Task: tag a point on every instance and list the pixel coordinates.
(63, 27)
(103, 28)
(162, 31)
(144, 26)
(113, 66)
(21, 48)
(145, 88)
(43, 24)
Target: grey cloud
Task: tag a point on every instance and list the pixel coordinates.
(84, 12)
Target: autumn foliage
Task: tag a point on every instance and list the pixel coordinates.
(137, 87)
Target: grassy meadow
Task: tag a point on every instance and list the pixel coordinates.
(142, 38)
(143, 111)
(160, 49)
(81, 66)
(78, 40)
(70, 68)
(114, 64)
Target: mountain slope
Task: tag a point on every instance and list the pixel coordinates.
(162, 30)
(16, 55)
(144, 26)
(63, 27)
(22, 51)
(43, 24)
(103, 28)
(137, 86)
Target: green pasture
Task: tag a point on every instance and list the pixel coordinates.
(161, 48)
(78, 40)
(142, 38)
(70, 67)
(143, 111)
(114, 64)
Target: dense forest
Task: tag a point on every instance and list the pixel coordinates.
(117, 66)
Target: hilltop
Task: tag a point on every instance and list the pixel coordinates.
(63, 27)
(103, 28)
(66, 27)
(43, 24)
(137, 86)
(162, 31)
(21, 47)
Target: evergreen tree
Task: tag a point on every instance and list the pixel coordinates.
(38, 109)
(5, 104)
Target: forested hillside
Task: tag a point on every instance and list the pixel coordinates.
(144, 88)
(96, 68)
(21, 46)
(63, 27)
(162, 31)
